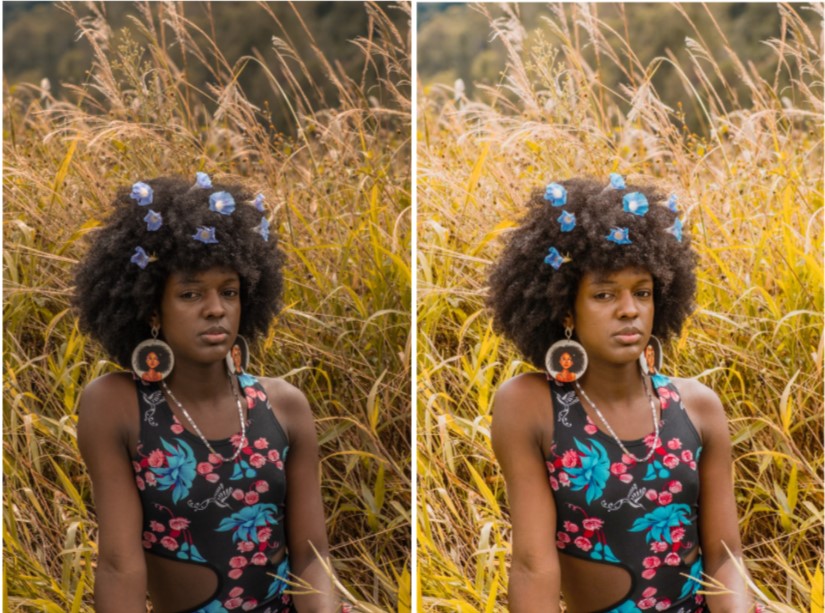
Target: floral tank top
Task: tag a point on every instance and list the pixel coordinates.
(641, 516)
(228, 516)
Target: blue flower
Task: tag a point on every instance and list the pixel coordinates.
(245, 523)
(263, 228)
(189, 552)
(142, 192)
(676, 229)
(154, 220)
(617, 181)
(246, 380)
(636, 203)
(620, 236)
(593, 472)
(554, 258)
(691, 585)
(278, 584)
(656, 470)
(603, 552)
(179, 472)
(222, 202)
(567, 221)
(659, 522)
(659, 380)
(628, 606)
(672, 203)
(141, 258)
(555, 194)
(242, 469)
(202, 180)
(213, 606)
(259, 202)
(206, 235)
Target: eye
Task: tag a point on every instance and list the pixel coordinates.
(644, 293)
(231, 292)
(189, 295)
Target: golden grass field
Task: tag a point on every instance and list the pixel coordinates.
(339, 195)
(752, 192)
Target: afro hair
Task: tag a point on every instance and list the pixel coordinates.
(115, 297)
(530, 298)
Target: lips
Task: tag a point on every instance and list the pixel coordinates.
(215, 334)
(628, 335)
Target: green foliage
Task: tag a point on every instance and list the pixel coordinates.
(752, 192)
(340, 196)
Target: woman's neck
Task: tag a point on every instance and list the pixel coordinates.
(199, 383)
(618, 385)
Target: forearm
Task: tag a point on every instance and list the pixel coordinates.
(119, 590)
(533, 591)
(734, 597)
(314, 592)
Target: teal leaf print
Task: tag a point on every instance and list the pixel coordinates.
(659, 522)
(627, 606)
(593, 472)
(179, 472)
(214, 606)
(245, 523)
(603, 552)
(656, 470)
(278, 584)
(691, 585)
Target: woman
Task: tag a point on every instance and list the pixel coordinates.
(205, 484)
(619, 483)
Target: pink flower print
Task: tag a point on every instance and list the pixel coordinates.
(674, 443)
(236, 439)
(651, 562)
(237, 494)
(273, 455)
(675, 487)
(259, 559)
(213, 477)
(232, 603)
(238, 562)
(235, 573)
(646, 603)
(136, 466)
(665, 498)
(261, 487)
(237, 591)
(570, 459)
(179, 523)
(149, 536)
(687, 455)
(590, 428)
(583, 543)
(564, 478)
(176, 428)
(249, 604)
(628, 459)
(670, 460)
(663, 604)
(246, 546)
(204, 468)
(677, 534)
(651, 495)
(563, 536)
(250, 402)
(151, 479)
(649, 573)
(261, 443)
(264, 533)
(570, 526)
(257, 460)
(170, 543)
(141, 484)
(646, 594)
(554, 483)
(626, 478)
(649, 440)
(157, 526)
(560, 544)
(156, 458)
(550, 468)
(659, 546)
(592, 523)
(214, 458)
(251, 498)
(618, 468)
(672, 559)
(692, 465)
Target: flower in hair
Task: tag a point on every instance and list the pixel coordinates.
(259, 202)
(154, 220)
(676, 229)
(617, 181)
(554, 258)
(555, 194)
(567, 221)
(202, 180)
(263, 228)
(636, 203)
(206, 235)
(222, 202)
(672, 203)
(140, 257)
(142, 192)
(620, 236)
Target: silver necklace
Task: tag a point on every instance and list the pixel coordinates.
(613, 434)
(198, 430)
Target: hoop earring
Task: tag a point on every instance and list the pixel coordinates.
(153, 360)
(651, 358)
(566, 360)
(237, 359)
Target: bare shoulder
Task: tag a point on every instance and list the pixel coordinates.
(521, 407)
(703, 406)
(285, 395)
(108, 400)
(106, 388)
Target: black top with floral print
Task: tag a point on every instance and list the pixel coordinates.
(641, 516)
(200, 509)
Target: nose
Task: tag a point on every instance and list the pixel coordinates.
(626, 306)
(213, 305)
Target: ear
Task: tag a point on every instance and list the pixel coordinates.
(154, 319)
(568, 321)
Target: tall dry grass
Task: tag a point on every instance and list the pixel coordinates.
(752, 191)
(339, 194)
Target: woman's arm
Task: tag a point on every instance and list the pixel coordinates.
(306, 528)
(520, 406)
(103, 439)
(718, 524)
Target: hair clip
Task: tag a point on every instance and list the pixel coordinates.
(620, 236)
(154, 220)
(142, 192)
(676, 229)
(617, 181)
(206, 235)
(222, 202)
(567, 221)
(263, 228)
(554, 258)
(258, 203)
(635, 203)
(672, 202)
(555, 194)
(141, 258)
(202, 180)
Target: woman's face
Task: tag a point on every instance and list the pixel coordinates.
(200, 314)
(565, 361)
(613, 314)
(152, 360)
